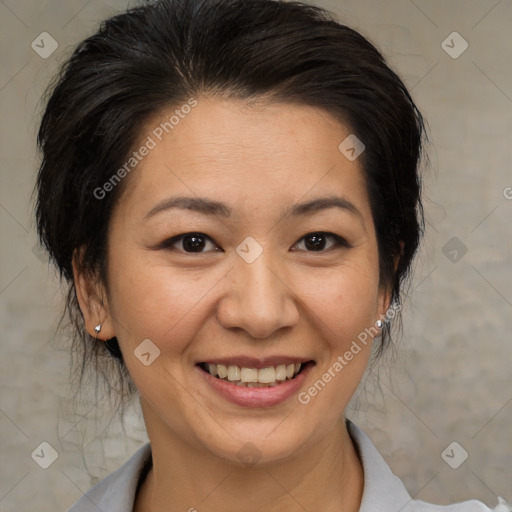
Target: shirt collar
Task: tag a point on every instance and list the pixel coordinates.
(383, 491)
(116, 492)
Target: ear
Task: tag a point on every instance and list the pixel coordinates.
(385, 293)
(92, 299)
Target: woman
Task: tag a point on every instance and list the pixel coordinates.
(231, 189)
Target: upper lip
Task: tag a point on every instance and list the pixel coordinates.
(255, 362)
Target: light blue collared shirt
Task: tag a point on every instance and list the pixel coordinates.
(383, 491)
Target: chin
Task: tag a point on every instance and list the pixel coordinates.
(264, 445)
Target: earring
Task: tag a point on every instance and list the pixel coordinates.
(97, 330)
(379, 324)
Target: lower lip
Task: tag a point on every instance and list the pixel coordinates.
(256, 397)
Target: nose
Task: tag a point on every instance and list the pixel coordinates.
(258, 298)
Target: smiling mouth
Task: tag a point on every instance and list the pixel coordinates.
(255, 377)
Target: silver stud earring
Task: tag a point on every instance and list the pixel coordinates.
(379, 324)
(97, 329)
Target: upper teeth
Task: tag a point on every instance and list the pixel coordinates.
(263, 375)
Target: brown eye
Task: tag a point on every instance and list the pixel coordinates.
(190, 243)
(316, 242)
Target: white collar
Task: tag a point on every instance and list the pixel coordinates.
(383, 491)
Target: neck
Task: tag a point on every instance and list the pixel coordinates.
(328, 477)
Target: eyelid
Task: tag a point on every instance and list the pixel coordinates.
(169, 242)
(340, 241)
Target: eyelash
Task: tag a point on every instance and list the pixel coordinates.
(168, 244)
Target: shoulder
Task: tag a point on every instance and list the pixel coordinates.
(385, 492)
(116, 492)
(464, 506)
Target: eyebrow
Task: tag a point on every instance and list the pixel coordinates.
(210, 207)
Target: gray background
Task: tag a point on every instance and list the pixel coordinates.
(449, 377)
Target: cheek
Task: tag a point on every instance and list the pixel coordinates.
(344, 299)
(158, 302)
(341, 309)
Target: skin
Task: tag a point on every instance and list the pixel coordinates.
(291, 300)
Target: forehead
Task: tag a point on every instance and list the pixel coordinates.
(251, 156)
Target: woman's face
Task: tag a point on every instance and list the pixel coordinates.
(275, 275)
